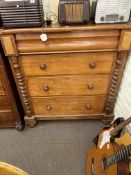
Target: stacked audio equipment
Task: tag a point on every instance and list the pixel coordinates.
(21, 13)
(73, 11)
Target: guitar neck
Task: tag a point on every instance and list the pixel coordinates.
(120, 126)
(119, 155)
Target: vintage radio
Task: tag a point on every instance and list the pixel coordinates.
(73, 11)
(112, 11)
(21, 13)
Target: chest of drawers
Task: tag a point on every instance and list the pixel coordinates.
(10, 108)
(75, 74)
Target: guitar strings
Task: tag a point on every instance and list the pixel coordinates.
(99, 164)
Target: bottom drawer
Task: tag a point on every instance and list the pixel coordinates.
(4, 104)
(68, 105)
(6, 119)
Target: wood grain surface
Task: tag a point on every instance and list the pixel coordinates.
(68, 85)
(58, 28)
(125, 41)
(66, 64)
(67, 44)
(9, 45)
(68, 105)
(2, 92)
(4, 103)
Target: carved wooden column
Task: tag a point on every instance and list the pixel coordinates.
(21, 85)
(30, 120)
(115, 81)
(10, 49)
(124, 47)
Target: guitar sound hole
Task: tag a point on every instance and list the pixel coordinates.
(104, 164)
(92, 167)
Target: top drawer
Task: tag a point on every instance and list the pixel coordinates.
(68, 41)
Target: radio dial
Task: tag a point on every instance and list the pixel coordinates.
(121, 18)
(102, 18)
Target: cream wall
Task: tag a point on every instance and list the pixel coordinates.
(54, 6)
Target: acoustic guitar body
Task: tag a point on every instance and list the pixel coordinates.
(97, 157)
(124, 141)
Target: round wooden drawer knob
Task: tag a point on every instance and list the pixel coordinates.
(92, 65)
(88, 107)
(49, 108)
(46, 88)
(90, 86)
(42, 66)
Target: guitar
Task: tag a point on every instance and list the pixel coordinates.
(110, 160)
(106, 134)
(124, 141)
(96, 140)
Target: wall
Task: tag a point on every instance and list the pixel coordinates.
(54, 6)
(123, 104)
(51, 8)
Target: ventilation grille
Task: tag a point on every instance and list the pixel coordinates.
(125, 5)
(74, 11)
(102, 6)
(22, 16)
(113, 6)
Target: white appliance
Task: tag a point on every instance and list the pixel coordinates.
(112, 11)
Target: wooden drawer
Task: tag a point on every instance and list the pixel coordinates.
(69, 105)
(68, 85)
(4, 104)
(71, 63)
(2, 92)
(7, 119)
(68, 41)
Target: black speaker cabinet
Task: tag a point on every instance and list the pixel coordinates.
(73, 11)
(21, 13)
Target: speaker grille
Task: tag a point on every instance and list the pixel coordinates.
(20, 16)
(74, 11)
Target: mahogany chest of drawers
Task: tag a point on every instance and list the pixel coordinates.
(75, 74)
(10, 108)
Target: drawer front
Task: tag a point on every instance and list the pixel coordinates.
(68, 105)
(71, 63)
(6, 117)
(68, 85)
(68, 41)
(2, 92)
(4, 104)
